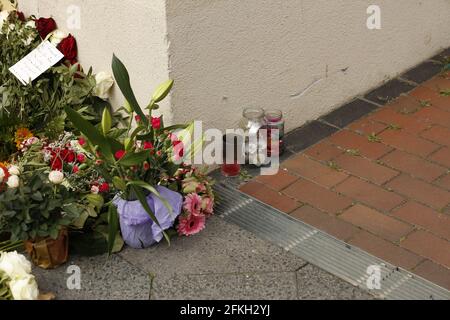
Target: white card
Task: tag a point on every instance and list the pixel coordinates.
(36, 62)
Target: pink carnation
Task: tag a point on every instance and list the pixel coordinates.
(193, 204)
(191, 225)
(208, 205)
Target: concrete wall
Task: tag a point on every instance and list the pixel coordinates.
(225, 55)
(229, 54)
(135, 30)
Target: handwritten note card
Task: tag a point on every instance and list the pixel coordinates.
(36, 62)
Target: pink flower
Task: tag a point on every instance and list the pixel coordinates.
(193, 204)
(81, 158)
(75, 169)
(156, 123)
(173, 137)
(138, 118)
(191, 225)
(95, 189)
(119, 154)
(208, 205)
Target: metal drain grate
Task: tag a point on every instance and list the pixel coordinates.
(321, 249)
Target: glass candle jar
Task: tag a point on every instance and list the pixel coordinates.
(274, 121)
(232, 155)
(252, 122)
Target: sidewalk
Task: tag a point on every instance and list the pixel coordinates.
(222, 262)
(381, 183)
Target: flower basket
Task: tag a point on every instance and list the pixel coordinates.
(49, 253)
(138, 229)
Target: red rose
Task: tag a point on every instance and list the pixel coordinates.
(148, 145)
(56, 164)
(156, 123)
(119, 154)
(138, 118)
(75, 169)
(68, 47)
(20, 16)
(45, 26)
(104, 187)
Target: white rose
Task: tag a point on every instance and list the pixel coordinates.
(104, 83)
(30, 24)
(14, 170)
(56, 177)
(13, 182)
(95, 190)
(57, 36)
(2, 175)
(14, 265)
(24, 288)
(3, 17)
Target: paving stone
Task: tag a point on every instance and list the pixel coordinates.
(376, 222)
(389, 91)
(430, 92)
(350, 140)
(433, 116)
(404, 105)
(423, 72)
(323, 151)
(317, 196)
(221, 248)
(404, 122)
(438, 134)
(269, 196)
(316, 284)
(367, 126)
(314, 171)
(386, 250)
(278, 181)
(429, 246)
(253, 286)
(444, 182)
(365, 168)
(420, 191)
(442, 156)
(408, 142)
(101, 279)
(325, 222)
(424, 217)
(370, 194)
(438, 84)
(413, 165)
(349, 113)
(434, 273)
(307, 135)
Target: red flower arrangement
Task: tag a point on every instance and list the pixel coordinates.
(45, 26)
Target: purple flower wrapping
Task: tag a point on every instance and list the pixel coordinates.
(138, 229)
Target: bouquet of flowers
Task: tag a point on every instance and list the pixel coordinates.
(39, 107)
(198, 198)
(16, 280)
(134, 161)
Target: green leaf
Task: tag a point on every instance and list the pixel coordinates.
(133, 159)
(119, 183)
(146, 186)
(106, 121)
(94, 136)
(113, 227)
(123, 81)
(96, 200)
(162, 91)
(136, 188)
